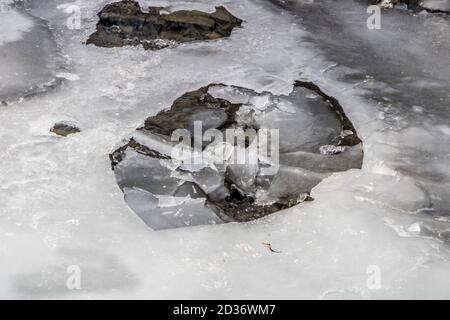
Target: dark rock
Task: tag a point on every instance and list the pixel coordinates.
(193, 106)
(124, 23)
(63, 129)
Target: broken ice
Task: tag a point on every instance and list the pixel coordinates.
(311, 142)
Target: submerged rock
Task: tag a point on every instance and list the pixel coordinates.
(226, 153)
(124, 23)
(193, 106)
(64, 129)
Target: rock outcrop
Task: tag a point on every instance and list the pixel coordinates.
(125, 23)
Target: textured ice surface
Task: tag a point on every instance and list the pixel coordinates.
(29, 56)
(62, 207)
(439, 5)
(13, 24)
(408, 87)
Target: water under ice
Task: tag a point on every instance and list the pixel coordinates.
(61, 205)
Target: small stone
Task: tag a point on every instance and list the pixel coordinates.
(63, 129)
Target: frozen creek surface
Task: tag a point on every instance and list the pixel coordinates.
(62, 207)
(29, 56)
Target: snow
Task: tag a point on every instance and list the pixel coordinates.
(13, 24)
(61, 205)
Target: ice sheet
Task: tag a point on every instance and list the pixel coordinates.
(29, 55)
(61, 206)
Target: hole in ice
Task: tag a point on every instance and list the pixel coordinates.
(224, 154)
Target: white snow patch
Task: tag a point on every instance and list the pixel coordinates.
(12, 25)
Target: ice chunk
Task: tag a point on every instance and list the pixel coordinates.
(244, 176)
(146, 173)
(229, 93)
(350, 159)
(207, 179)
(289, 181)
(261, 102)
(173, 213)
(312, 124)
